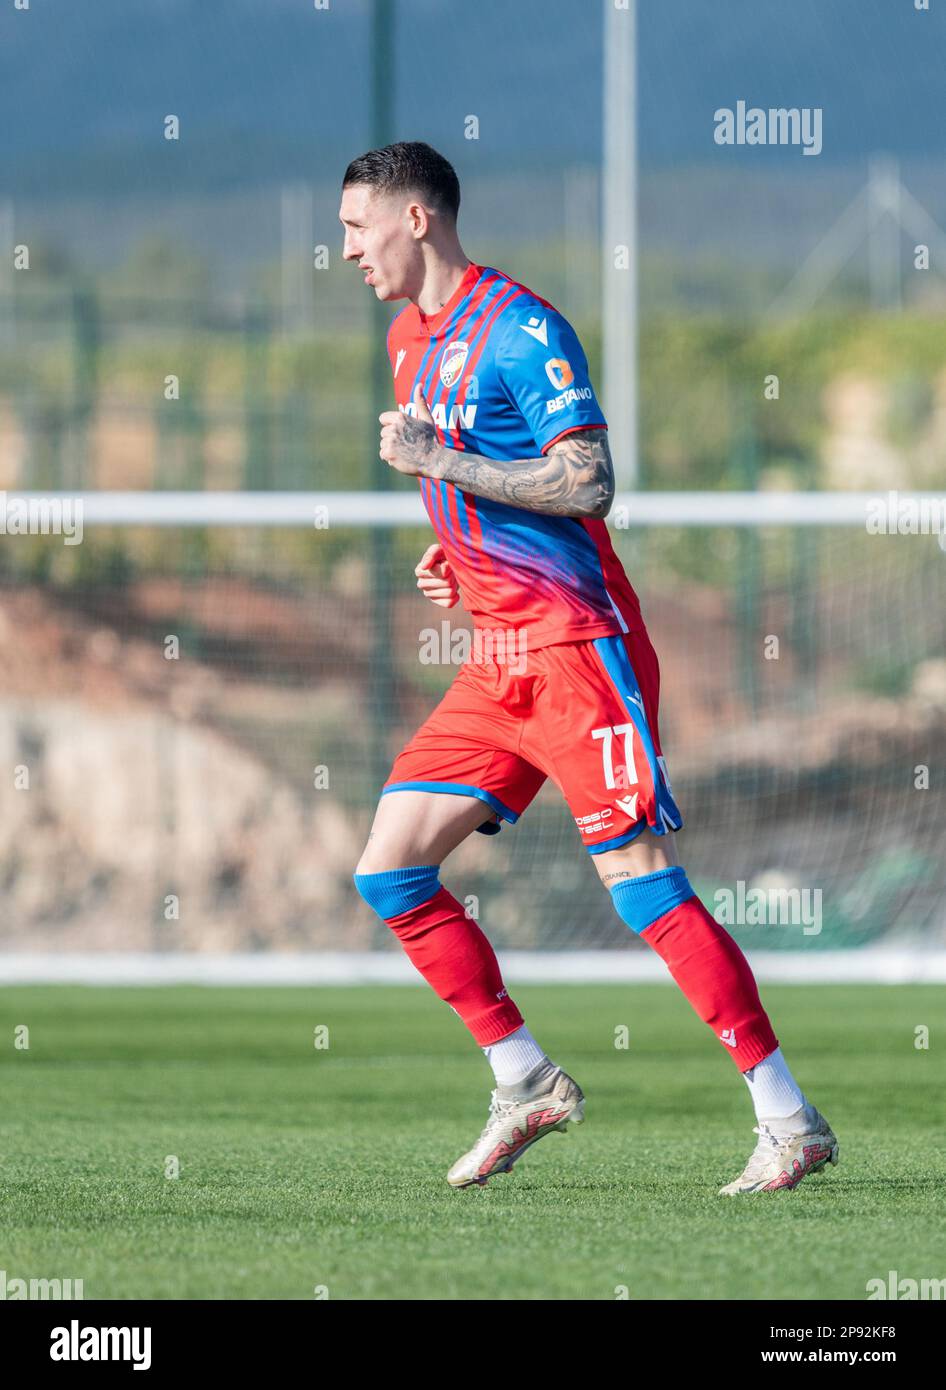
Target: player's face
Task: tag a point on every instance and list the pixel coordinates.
(378, 237)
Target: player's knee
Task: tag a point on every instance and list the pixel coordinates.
(393, 891)
(641, 901)
(380, 854)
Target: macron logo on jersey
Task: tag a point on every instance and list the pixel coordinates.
(536, 330)
(401, 354)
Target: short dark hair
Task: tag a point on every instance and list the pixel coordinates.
(409, 166)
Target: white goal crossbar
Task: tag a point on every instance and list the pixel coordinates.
(323, 510)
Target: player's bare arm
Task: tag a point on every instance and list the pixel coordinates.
(575, 477)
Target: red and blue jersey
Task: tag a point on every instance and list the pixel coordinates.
(505, 376)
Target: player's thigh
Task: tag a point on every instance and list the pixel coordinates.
(414, 827)
(595, 733)
(648, 854)
(459, 772)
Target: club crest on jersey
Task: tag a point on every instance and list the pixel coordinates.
(453, 361)
(559, 373)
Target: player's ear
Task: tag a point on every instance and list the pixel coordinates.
(418, 220)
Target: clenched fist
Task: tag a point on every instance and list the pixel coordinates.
(435, 577)
(409, 443)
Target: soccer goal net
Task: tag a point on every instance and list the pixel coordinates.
(204, 692)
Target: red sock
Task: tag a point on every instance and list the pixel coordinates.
(458, 962)
(715, 977)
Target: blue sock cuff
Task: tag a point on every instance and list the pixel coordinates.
(640, 901)
(398, 890)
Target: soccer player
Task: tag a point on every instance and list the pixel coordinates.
(498, 421)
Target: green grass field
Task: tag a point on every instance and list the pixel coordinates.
(303, 1168)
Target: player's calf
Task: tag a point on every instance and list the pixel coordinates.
(702, 957)
(661, 907)
(445, 946)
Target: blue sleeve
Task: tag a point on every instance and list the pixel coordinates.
(544, 373)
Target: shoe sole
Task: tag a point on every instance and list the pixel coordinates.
(575, 1117)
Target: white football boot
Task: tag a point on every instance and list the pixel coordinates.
(514, 1125)
(781, 1161)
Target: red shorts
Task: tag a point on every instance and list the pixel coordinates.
(582, 713)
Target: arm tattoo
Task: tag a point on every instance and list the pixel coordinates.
(575, 478)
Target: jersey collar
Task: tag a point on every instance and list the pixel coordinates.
(432, 323)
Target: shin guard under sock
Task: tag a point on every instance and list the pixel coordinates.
(703, 959)
(445, 946)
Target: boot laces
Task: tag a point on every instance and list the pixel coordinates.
(499, 1109)
(765, 1150)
